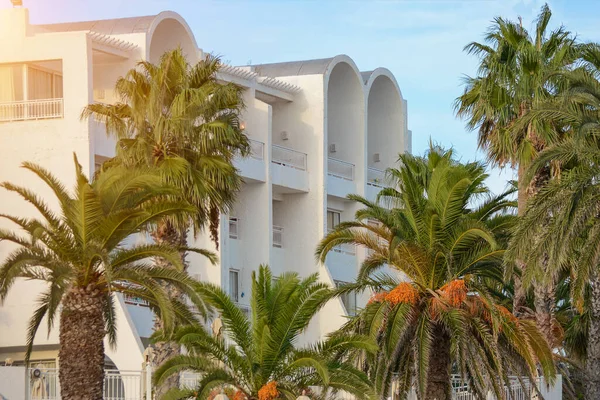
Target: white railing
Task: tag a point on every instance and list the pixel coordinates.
(31, 110)
(135, 301)
(375, 177)
(189, 379)
(288, 158)
(245, 309)
(277, 236)
(118, 385)
(345, 248)
(234, 228)
(123, 385)
(340, 169)
(257, 149)
(516, 390)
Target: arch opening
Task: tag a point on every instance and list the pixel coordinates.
(385, 124)
(168, 35)
(345, 122)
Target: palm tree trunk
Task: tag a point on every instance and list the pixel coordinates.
(544, 310)
(519, 294)
(592, 364)
(167, 233)
(438, 385)
(544, 292)
(81, 353)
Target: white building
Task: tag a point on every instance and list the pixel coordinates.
(320, 129)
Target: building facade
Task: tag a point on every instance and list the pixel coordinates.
(319, 130)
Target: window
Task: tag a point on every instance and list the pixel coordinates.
(348, 299)
(31, 91)
(234, 284)
(333, 219)
(234, 225)
(20, 82)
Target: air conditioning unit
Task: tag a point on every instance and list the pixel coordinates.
(376, 157)
(284, 135)
(332, 148)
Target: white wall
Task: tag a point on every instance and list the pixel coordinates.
(386, 123)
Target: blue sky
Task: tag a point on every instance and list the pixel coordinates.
(419, 41)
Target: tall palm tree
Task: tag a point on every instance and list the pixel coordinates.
(259, 356)
(569, 238)
(435, 310)
(82, 253)
(518, 70)
(179, 119)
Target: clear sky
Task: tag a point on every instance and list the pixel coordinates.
(421, 42)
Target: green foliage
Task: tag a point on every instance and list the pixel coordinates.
(439, 228)
(88, 243)
(517, 70)
(182, 120)
(263, 349)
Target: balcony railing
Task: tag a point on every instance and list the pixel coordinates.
(135, 301)
(346, 248)
(375, 177)
(277, 236)
(288, 157)
(257, 149)
(245, 309)
(31, 110)
(340, 169)
(234, 232)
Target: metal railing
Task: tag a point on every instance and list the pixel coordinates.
(375, 177)
(234, 228)
(277, 236)
(257, 149)
(189, 380)
(288, 158)
(245, 309)
(43, 384)
(345, 248)
(340, 169)
(135, 301)
(31, 110)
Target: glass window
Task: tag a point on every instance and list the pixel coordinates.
(11, 83)
(333, 219)
(40, 84)
(234, 284)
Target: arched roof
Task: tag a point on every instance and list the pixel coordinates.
(369, 78)
(322, 66)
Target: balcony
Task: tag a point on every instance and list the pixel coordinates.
(31, 110)
(346, 248)
(253, 167)
(340, 178)
(375, 182)
(289, 169)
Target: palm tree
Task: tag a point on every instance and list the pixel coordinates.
(518, 70)
(181, 120)
(259, 357)
(83, 255)
(434, 264)
(569, 207)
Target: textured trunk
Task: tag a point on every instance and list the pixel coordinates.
(544, 311)
(592, 364)
(519, 296)
(81, 353)
(166, 233)
(438, 385)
